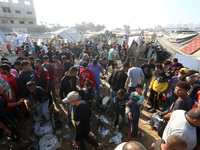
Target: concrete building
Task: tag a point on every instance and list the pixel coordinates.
(17, 15)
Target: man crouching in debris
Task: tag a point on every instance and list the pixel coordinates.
(82, 116)
(40, 102)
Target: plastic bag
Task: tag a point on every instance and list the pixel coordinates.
(49, 142)
(117, 139)
(102, 118)
(103, 131)
(155, 120)
(47, 128)
(105, 100)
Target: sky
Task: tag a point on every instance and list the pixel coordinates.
(117, 13)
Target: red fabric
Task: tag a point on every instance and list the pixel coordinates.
(39, 73)
(87, 74)
(8, 46)
(13, 82)
(192, 46)
(195, 106)
(9, 97)
(59, 72)
(51, 75)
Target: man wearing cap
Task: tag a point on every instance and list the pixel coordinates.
(82, 114)
(170, 93)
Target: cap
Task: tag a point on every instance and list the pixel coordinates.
(183, 71)
(72, 96)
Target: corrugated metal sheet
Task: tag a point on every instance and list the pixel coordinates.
(192, 47)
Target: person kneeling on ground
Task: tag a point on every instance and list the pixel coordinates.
(82, 116)
(174, 142)
(40, 102)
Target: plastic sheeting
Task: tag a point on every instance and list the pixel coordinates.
(47, 128)
(117, 139)
(104, 132)
(49, 142)
(155, 120)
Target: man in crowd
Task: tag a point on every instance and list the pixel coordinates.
(159, 85)
(44, 47)
(82, 116)
(96, 68)
(135, 76)
(86, 73)
(111, 57)
(170, 93)
(175, 66)
(68, 84)
(184, 124)
(148, 70)
(52, 75)
(117, 81)
(37, 49)
(26, 75)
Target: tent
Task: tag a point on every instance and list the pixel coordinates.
(185, 47)
(69, 34)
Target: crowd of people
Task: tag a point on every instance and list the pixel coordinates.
(52, 74)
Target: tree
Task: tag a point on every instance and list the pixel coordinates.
(89, 26)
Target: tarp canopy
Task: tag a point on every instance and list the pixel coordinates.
(70, 34)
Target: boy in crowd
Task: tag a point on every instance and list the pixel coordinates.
(52, 75)
(133, 119)
(137, 96)
(184, 102)
(86, 92)
(119, 105)
(82, 116)
(86, 73)
(159, 85)
(5, 69)
(26, 75)
(68, 84)
(31, 60)
(148, 70)
(174, 142)
(42, 76)
(66, 64)
(42, 55)
(11, 132)
(40, 102)
(171, 97)
(96, 68)
(174, 67)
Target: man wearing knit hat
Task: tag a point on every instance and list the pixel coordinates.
(82, 116)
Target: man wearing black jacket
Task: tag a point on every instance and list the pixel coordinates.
(82, 116)
(25, 76)
(117, 81)
(68, 84)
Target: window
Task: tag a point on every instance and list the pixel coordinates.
(5, 21)
(30, 22)
(15, 1)
(29, 12)
(11, 21)
(17, 11)
(3, 0)
(21, 22)
(6, 9)
(27, 3)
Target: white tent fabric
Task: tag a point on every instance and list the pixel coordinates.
(70, 34)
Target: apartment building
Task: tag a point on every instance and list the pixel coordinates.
(17, 15)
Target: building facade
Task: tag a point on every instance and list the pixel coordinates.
(18, 16)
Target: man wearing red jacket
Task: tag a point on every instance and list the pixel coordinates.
(86, 73)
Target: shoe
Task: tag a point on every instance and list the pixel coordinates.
(148, 107)
(152, 111)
